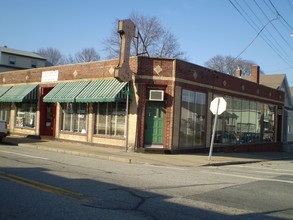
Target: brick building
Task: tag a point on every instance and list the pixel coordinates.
(168, 108)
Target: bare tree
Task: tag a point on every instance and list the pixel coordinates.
(158, 41)
(229, 64)
(53, 56)
(69, 59)
(87, 55)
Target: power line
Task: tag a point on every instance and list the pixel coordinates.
(281, 50)
(278, 15)
(278, 50)
(281, 15)
(290, 4)
(255, 38)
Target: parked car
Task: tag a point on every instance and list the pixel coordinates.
(225, 138)
(3, 129)
(249, 137)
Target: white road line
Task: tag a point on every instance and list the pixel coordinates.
(249, 177)
(24, 155)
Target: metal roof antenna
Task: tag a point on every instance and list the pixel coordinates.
(144, 47)
(126, 29)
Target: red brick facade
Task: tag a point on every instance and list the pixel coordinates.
(156, 73)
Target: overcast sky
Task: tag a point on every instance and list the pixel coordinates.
(257, 30)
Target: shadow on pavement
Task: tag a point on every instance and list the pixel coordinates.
(34, 193)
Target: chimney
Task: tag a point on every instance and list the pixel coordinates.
(254, 74)
(238, 72)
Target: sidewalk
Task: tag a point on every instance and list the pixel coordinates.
(120, 155)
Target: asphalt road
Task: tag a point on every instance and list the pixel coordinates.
(38, 184)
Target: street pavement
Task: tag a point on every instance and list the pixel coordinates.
(120, 154)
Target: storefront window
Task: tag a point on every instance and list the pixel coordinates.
(5, 111)
(74, 117)
(110, 119)
(245, 122)
(25, 116)
(193, 116)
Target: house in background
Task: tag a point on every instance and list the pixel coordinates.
(12, 59)
(280, 82)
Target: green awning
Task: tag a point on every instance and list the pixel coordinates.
(66, 92)
(21, 93)
(88, 91)
(103, 91)
(4, 89)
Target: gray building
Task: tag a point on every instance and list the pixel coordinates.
(12, 59)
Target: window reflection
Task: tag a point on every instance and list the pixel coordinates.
(245, 122)
(25, 115)
(74, 117)
(193, 116)
(110, 118)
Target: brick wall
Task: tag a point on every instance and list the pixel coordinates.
(92, 70)
(204, 79)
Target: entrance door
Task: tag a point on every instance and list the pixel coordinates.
(154, 129)
(47, 115)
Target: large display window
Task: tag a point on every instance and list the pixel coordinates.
(74, 117)
(110, 118)
(245, 122)
(193, 119)
(25, 115)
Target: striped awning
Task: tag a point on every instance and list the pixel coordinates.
(88, 91)
(103, 91)
(21, 93)
(4, 89)
(65, 92)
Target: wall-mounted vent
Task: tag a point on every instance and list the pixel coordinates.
(156, 95)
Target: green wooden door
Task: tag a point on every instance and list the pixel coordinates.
(154, 129)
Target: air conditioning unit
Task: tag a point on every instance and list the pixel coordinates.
(156, 95)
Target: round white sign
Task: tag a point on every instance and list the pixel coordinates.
(218, 105)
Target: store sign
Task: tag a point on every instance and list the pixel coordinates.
(50, 76)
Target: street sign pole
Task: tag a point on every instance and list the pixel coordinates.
(128, 92)
(126, 121)
(214, 130)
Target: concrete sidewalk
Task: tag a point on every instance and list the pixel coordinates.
(120, 155)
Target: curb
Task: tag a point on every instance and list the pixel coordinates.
(79, 153)
(232, 163)
(133, 159)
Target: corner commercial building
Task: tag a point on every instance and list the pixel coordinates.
(168, 106)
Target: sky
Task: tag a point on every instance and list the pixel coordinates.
(255, 30)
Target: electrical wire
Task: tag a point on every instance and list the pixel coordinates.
(254, 38)
(278, 15)
(279, 50)
(290, 4)
(281, 15)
